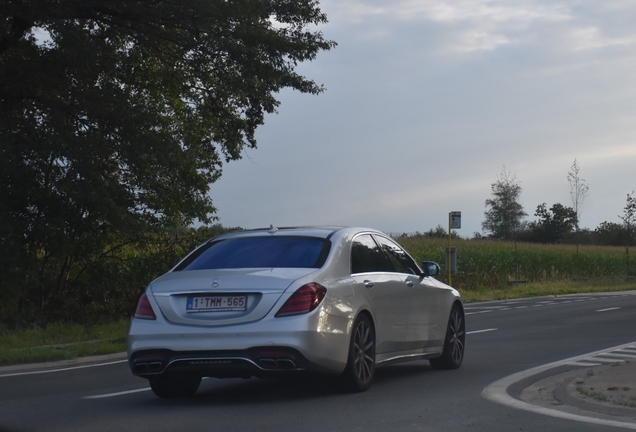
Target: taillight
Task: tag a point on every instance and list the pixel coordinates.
(144, 309)
(304, 300)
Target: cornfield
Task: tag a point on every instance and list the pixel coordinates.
(488, 264)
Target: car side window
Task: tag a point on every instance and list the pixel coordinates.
(366, 256)
(400, 260)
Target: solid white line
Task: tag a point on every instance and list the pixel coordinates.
(481, 331)
(61, 369)
(497, 392)
(608, 309)
(121, 393)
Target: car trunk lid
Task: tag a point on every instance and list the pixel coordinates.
(222, 297)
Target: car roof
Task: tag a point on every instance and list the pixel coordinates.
(326, 231)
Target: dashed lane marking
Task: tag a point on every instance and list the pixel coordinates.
(608, 309)
(481, 331)
(121, 393)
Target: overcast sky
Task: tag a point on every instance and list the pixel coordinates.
(426, 101)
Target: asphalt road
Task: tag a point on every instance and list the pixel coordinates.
(504, 338)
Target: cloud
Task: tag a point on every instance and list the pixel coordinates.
(467, 26)
(586, 38)
(427, 100)
(470, 25)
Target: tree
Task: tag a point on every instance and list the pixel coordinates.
(439, 232)
(115, 117)
(504, 213)
(553, 224)
(629, 216)
(629, 221)
(579, 190)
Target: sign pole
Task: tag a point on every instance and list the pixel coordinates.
(449, 253)
(454, 222)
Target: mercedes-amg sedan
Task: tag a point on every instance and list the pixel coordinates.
(276, 301)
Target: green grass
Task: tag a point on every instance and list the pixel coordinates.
(61, 342)
(542, 289)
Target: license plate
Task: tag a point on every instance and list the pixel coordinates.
(216, 303)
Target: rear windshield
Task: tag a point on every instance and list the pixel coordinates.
(259, 252)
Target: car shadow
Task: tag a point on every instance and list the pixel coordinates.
(294, 388)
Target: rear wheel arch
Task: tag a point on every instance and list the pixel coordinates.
(369, 317)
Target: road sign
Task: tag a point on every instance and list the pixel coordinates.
(456, 219)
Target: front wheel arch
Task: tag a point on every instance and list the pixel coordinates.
(360, 369)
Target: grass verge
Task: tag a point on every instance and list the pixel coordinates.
(537, 289)
(61, 342)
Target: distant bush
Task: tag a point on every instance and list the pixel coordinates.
(98, 288)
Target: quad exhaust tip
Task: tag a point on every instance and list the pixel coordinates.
(147, 367)
(278, 363)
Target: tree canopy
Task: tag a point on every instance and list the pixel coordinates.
(554, 223)
(504, 213)
(115, 117)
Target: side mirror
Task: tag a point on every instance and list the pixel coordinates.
(430, 268)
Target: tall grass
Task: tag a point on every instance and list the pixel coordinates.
(59, 341)
(488, 264)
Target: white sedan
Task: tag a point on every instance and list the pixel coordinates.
(292, 300)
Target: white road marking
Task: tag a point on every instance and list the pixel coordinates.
(121, 393)
(619, 354)
(627, 350)
(583, 363)
(606, 359)
(497, 391)
(480, 312)
(608, 309)
(60, 369)
(481, 331)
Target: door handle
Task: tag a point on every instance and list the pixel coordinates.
(409, 283)
(368, 284)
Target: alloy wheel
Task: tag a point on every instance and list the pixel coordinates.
(364, 352)
(457, 333)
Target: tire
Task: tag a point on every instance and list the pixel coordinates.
(454, 343)
(174, 385)
(360, 368)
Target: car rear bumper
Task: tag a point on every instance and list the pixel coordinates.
(257, 361)
(263, 348)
